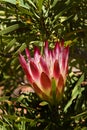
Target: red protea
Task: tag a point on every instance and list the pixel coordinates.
(47, 73)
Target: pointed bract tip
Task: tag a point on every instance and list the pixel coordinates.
(27, 53)
(36, 50)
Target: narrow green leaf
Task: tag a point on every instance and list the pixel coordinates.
(25, 11)
(17, 2)
(43, 103)
(54, 3)
(20, 98)
(9, 29)
(75, 92)
(4, 98)
(67, 2)
(76, 88)
(58, 15)
(61, 13)
(23, 46)
(66, 18)
(31, 3)
(10, 44)
(40, 3)
(79, 115)
(14, 62)
(9, 1)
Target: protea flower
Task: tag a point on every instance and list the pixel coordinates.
(47, 73)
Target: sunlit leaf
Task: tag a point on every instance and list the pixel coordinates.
(23, 46)
(40, 2)
(43, 103)
(75, 92)
(9, 29)
(31, 3)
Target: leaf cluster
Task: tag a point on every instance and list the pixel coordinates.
(28, 23)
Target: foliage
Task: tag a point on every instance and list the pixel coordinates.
(28, 23)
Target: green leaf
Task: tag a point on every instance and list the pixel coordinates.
(17, 2)
(31, 3)
(59, 14)
(75, 92)
(4, 98)
(10, 44)
(40, 3)
(79, 116)
(9, 1)
(64, 19)
(77, 88)
(43, 103)
(25, 11)
(23, 46)
(54, 3)
(9, 29)
(21, 98)
(67, 2)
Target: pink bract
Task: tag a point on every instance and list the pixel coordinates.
(47, 73)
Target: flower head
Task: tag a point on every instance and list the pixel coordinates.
(47, 73)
